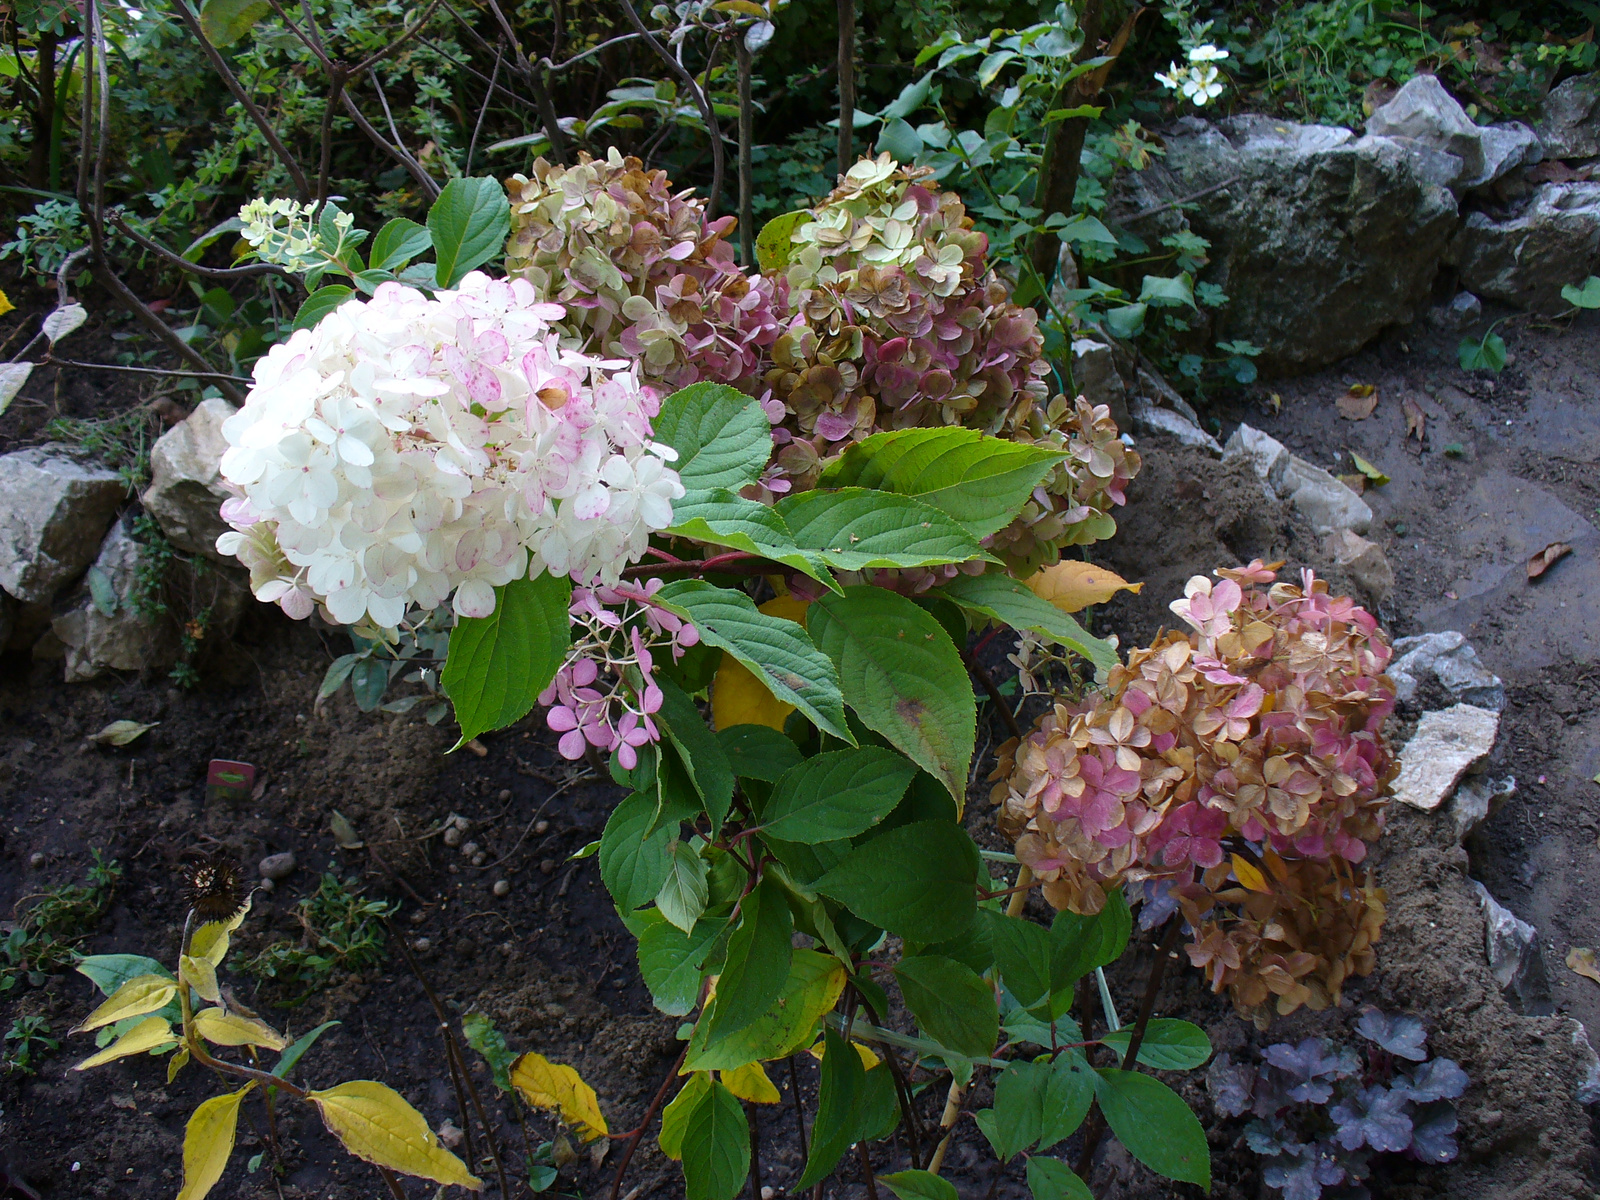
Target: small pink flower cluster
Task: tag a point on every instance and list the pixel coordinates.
(604, 694)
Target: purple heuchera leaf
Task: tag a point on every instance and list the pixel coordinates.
(1402, 1036)
(1310, 1065)
(1374, 1117)
(1229, 1084)
(1441, 1079)
(1432, 1127)
(1272, 1137)
(1304, 1176)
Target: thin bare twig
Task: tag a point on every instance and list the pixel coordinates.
(399, 154)
(231, 82)
(383, 99)
(702, 102)
(377, 56)
(847, 83)
(554, 68)
(747, 218)
(488, 98)
(220, 274)
(644, 1125)
(51, 360)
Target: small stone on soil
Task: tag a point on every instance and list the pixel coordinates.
(541, 826)
(36, 860)
(502, 887)
(452, 836)
(469, 850)
(278, 866)
(547, 867)
(479, 859)
(505, 794)
(422, 945)
(266, 885)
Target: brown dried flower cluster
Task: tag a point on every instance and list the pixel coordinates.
(1238, 772)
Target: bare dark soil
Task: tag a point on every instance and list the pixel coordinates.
(553, 965)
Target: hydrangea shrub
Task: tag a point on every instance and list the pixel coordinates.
(1239, 772)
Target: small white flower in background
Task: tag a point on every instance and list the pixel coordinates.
(406, 450)
(1173, 79)
(1203, 85)
(1207, 53)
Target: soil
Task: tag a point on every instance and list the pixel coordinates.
(552, 964)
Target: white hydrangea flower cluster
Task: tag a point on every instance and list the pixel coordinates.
(406, 449)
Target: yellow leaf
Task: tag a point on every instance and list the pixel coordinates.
(559, 1088)
(5, 304)
(199, 974)
(141, 994)
(1581, 960)
(868, 1058)
(210, 941)
(1247, 874)
(738, 697)
(149, 1034)
(208, 1141)
(176, 1063)
(1072, 585)
(376, 1125)
(750, 1082)
(222, 1028)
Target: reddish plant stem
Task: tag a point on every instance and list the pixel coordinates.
(993, 692)
(644, 1125)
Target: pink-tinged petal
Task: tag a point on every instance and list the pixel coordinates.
(571, 745)
(561, 719)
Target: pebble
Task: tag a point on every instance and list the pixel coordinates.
(418, 917)
(479, 859)
(470, 849)
(541, 826)
(266, 885)
(767, 1193)
(505, 794)
(547, 867)
(278, 866)
(554, 1010)
(422, 945)
(36, 860)
(452, 836)
(502, 887)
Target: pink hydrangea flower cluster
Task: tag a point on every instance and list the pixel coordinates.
(1243, 762)
(408, 449)
(640, 271)
(605, 694)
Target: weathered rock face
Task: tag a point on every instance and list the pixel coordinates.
(1512, 947)
(118, 640)
(1426, 119)
(1320, 239)
(1325, 502)
(186, 491)
(1570, 126)
(1552, 239)
(1448, 659)
(1446, 745)
(1365, 561)
(53, 513)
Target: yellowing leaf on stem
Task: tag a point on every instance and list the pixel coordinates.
(738, 697)
(1247, 873)
(176, 1063)
(1073, 585)
(223, 1028)
(201, 975)
(750, 1082)
(868, 1058)
(141, 994)
(374, 1123)
(559, 1088)
(208, 1142)
(153, 1033)
(210, 941)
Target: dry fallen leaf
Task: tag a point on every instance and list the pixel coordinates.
(1072, 584)
(1356, 483)
(1547, 558)
(120, 733)
(1416, 419)
(343, 832)
(1357, 403)
(1580, 959)
(1377, 477)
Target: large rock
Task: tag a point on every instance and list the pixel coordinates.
(186, 490)
(53, 512)
(1512, 947)
(1525, 258)
(1449, 660)
(1267, 456)
(1446, 745)
(1570, 126)
(1426, 118)
(105, 633)
(1364, 560)
(1320, 239)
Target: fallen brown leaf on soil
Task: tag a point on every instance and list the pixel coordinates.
(1580, 959)
(1547, 558)
(1416, 419)
(120, 733)
(1356, 483)
(1357, 403)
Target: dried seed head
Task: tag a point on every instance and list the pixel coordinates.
(214, 887)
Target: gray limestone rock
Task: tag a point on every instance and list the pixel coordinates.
(120, 639)
(1266, 455)
(1364, 560)
(54, 511)
(1446, 745)
(1426, 118)
(1512, 947)
(186, 490)
(1570, 124)
(1525, 258)
(1325, 502)
(1448, 658)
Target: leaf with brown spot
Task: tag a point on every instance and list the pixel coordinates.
(1358, 403)
(1416, 419)
(1580, 960)
(1547, 558)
